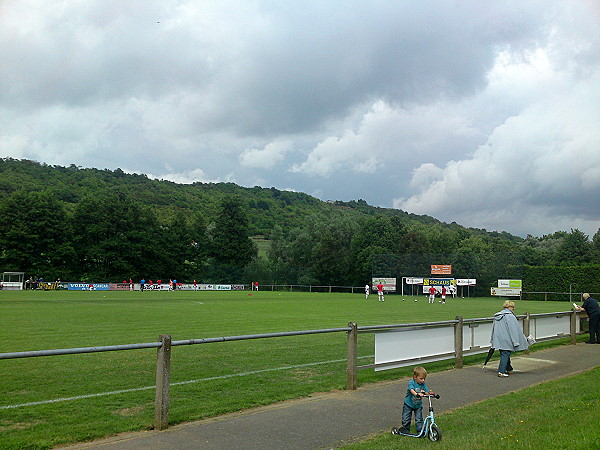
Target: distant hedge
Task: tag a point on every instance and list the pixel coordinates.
(560, 279)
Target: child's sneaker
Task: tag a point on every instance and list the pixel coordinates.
(502, 375)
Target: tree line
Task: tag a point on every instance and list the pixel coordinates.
(111, 237)
(332, 249)
(100, 225)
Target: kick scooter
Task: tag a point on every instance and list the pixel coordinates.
(430, 429)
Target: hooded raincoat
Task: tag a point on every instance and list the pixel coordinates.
(507, 333)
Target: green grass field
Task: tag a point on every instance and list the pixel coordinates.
(210, 379)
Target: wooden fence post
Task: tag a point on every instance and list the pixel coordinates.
(458, 343)
(163, 378)
(573, 327)
(352, 349)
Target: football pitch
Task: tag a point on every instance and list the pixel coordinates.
(52, 400)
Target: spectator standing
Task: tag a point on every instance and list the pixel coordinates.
(507, 336)
(591, 307)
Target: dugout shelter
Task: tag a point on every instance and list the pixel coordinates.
(13, 281)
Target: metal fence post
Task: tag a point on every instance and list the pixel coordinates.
(351, 364)
(163, 378)
(458, 343)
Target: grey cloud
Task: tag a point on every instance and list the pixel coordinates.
(211, 90)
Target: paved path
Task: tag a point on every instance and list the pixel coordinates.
(328, 420)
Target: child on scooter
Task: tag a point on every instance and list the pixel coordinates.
(413, 402)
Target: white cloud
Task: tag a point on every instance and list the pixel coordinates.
(388, 134)
(17, 146)
(267, 157)
(538, 171)
(186, 177)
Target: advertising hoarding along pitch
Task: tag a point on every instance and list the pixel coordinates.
(389, 284)
(89, 286)
(506, 292)
(510, 283)
(466, 281)
(438, 281)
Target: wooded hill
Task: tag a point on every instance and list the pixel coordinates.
(265, 207)
(90, 224)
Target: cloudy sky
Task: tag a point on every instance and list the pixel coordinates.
(483, 113)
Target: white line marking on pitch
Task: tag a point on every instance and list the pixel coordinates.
(145, 388)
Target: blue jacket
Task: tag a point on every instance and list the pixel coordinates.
(507, 333)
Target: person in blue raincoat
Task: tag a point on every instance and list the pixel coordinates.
(507, 336)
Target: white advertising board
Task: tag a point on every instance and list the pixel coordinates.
(506, 292)
(550, 326)
(401, 348)
(389, 284)
(466, 281)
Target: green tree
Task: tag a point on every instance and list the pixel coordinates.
(321, 250)
(595, 248)
(331, 255)
(35, 235)
(231, 244)
(363, 263)
(115, 237)
(379, 235)
(184, 247)
(574, 249)
(283, 268)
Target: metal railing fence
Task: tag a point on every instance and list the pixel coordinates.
(165, 344)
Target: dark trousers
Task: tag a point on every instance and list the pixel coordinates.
(595, 327)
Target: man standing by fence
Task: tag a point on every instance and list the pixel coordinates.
(591, 307)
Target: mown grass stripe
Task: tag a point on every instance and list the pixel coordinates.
(179, 383)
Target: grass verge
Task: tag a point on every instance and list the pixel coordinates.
(562, 414)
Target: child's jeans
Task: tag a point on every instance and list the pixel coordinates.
(407, 416)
